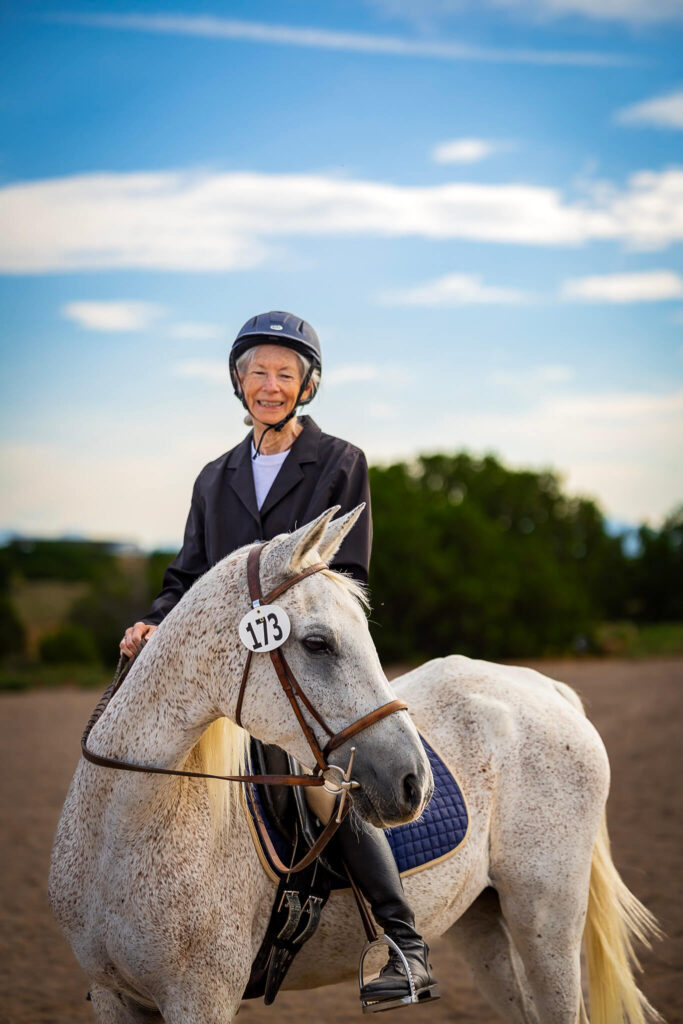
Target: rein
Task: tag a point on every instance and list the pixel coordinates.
(334, 779)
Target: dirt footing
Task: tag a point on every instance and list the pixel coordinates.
(636, 706)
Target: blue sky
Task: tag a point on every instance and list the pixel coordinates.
(480, 210)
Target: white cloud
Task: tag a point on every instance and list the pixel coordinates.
(624, 448)
(353, 373)
(660, 112)
(326, 39)
(648, 286)
(392, 374)
(433, 12)
(199, 221)
(211, 370)
(636, 11)
(534, 377)
(382, 411)
(465, 151)
(454, 290)
(196, 331)
(113, 316)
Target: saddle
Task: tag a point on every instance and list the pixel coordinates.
(281, 821)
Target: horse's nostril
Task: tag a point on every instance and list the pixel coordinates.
(411, 791)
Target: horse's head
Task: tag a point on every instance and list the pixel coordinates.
(333, 659)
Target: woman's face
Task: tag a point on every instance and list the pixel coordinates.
(271, 383)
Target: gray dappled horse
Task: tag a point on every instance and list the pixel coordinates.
(158, 886)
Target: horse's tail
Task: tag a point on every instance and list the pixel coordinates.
(615, 919)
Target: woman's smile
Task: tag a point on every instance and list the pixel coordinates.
(271, 383)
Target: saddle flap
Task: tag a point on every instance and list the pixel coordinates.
(277, 802)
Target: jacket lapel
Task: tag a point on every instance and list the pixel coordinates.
(241, 477)
(304, 449)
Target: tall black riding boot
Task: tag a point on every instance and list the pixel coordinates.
(368, 857)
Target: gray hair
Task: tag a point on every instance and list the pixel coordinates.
(244, 361)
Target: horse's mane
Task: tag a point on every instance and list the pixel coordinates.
(355, 589)
(223, 748)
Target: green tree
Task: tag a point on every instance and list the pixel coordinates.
(469, 556)
(106, 611)
(12, 631)
(157, 563)
(658, 572)
(59, 559)
(70, 644)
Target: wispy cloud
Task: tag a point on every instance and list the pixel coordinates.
(454, 290)
(205, 222)
(353, 373)
(392, 374)
(119, 316)
(648, 286)
(659, 112)
(213, 371)
(196, 331)
(634, 11)
(623, 447)
(436, 12)
(466, 151)
(326, 39)
(530, 379)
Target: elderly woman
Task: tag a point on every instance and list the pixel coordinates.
(284, 473)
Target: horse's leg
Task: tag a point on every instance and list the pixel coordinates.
(545, 919)
(203, 997)
(111, 1008)
(481, 937)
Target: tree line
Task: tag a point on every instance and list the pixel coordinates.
(473, 557)
(469, 556)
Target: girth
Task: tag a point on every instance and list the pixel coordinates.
(331, 776)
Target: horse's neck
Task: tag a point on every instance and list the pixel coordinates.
(160, 711)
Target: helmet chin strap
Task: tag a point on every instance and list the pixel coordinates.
(277, 427)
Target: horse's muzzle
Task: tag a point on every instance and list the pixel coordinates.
(390, 794)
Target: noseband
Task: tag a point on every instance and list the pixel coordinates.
(333, 778)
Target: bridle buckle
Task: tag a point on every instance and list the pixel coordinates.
(337, 781)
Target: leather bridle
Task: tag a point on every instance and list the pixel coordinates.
(333, 778)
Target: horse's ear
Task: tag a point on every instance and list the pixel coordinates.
(293, 551)
(335, 533)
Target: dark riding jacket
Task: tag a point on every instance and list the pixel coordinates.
(319, 471)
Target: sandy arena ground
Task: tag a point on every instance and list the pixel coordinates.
(635, 705)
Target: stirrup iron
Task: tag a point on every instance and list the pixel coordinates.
(380, 1005)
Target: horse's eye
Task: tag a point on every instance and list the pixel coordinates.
(317, 645)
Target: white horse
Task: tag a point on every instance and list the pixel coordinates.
(534, 874)
(159, 888)
(161, 914)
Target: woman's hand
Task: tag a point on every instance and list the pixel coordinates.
(132, 638)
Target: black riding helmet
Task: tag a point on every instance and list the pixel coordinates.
(277, 328)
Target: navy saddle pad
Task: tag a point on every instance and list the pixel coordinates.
(438, 832)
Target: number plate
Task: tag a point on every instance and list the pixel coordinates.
(264, 628)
